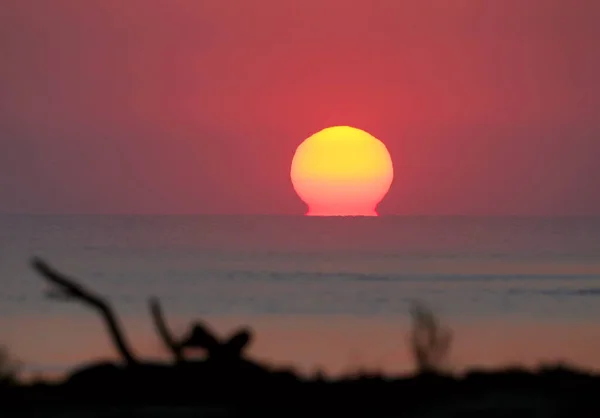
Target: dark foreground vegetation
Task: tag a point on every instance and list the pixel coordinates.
(225, 382)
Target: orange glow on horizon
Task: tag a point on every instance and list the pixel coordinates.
(342, 171)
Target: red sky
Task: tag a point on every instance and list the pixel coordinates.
(174, 106)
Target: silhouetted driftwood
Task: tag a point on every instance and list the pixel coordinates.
(226, 350)
(67, 288)
(224, 370)
(199, 337)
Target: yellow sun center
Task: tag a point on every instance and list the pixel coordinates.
(342, 171)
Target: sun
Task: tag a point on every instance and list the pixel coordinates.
(342, 171)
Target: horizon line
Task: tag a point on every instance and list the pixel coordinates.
(297, 215)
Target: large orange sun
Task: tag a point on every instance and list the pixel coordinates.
(342, 171)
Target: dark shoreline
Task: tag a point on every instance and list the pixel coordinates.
(549, 392)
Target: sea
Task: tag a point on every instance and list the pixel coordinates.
(320, 293)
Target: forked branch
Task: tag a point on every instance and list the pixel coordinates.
(67, 288)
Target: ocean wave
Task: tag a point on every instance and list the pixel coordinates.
(591, 291)
(373, 277)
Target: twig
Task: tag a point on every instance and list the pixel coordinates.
(163, 330)
(430, 340)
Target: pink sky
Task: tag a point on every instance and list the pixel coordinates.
(174, 106)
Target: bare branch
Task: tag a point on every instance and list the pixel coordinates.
(163, 331)
(68, 288)
(430, 340)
